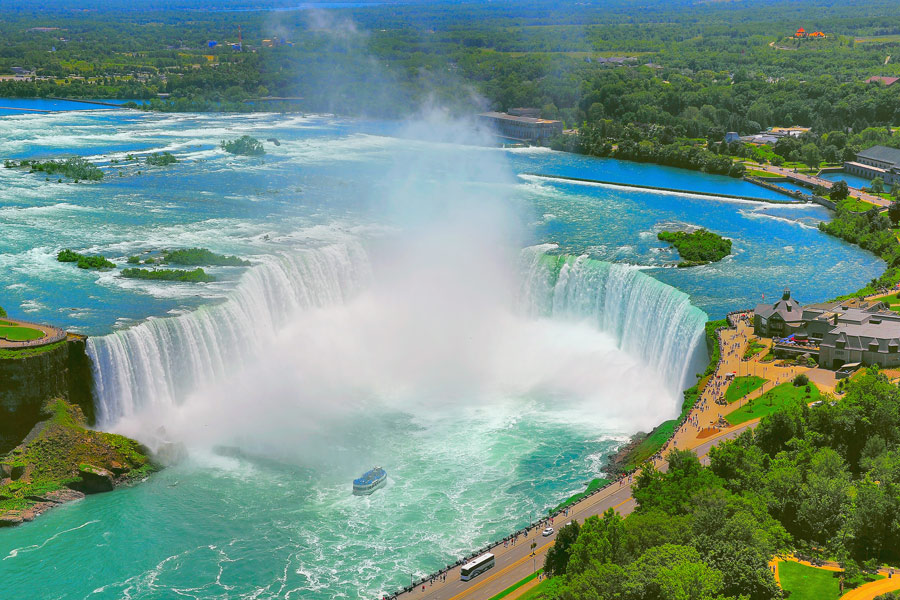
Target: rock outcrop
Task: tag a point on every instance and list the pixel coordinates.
(61, 460)
(29, 378)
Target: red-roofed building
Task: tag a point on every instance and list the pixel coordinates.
(817, 34)
(800, 33)
(887, 81)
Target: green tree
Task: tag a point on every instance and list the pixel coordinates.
(601, 540)
(811, 155)
(557, 558)
(894, 212)
(877, 185)
(839, 191)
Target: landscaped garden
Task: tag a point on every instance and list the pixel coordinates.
(808, 583)
(743, 385)
(773, 400)
(753, 348)
(14, 332)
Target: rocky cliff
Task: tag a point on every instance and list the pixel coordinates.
(31, 377)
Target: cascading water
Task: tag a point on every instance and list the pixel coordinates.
(161, 360)
(648, 319)
(158, 363)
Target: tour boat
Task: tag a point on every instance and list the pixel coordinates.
(369, 482)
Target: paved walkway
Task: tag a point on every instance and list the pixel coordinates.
(874, 588)
(51, 335)
(516, 561)
(866, 591)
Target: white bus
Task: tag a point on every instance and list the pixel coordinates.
(476, 567)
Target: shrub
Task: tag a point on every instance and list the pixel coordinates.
(84, 261)
(201, 256)
(244, 146)
(161, 160)
(197, 275)
(801, 380)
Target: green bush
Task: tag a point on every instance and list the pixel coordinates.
(134, 260)
(698, 247)
(161, 159)
(801, 380)
(197, 275)
(244, 146)
(201, 256)
(84, 261)
(2, 312)
(75, 168)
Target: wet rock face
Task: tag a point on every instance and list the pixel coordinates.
(94, 480)
(63, 371)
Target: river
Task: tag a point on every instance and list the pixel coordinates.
(415, 301)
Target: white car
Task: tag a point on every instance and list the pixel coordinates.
(547, 531)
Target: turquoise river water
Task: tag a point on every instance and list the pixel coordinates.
(415, 301)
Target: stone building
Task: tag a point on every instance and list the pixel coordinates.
(877, 161)
(780, 319)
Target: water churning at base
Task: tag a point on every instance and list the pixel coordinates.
(160, 362)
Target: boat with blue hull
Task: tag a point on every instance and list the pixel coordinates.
(369, 482)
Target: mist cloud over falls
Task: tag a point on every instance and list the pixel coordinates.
(438, 329)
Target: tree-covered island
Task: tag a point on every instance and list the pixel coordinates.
(698, 247)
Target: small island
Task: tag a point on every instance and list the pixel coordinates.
(698, 247)
(197, 275)
(161, 159)
(75, 168)
(84, 261)
(244, 146)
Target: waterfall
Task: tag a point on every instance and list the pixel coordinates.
(648, 319)
(161, 360)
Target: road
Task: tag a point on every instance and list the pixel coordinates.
(515, 562)
(811, 180)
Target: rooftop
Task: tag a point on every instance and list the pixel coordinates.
(881, 154)
(885, 80)
(506, 117)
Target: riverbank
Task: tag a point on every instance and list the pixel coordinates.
(48, 453)
(61, 460)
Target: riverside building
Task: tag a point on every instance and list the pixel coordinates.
(526, 129)
(877, 161)
(833, 333)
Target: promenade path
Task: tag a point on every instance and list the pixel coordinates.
(874, 588)
(867, 591)
(812, 180)
(51, 335)
(516, 561)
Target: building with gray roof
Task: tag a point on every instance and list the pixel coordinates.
(877, 161)
(837, 333)
(780, 319)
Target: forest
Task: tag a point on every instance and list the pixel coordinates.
(728, 67)
(822, 481)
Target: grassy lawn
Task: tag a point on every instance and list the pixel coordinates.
(651, 444)
(856, 205)
(538, 591)
(772, 401)
(743, 385)
(18, 333)
(764, 174)
(593, 485)
(516, 586)
(808, 583)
